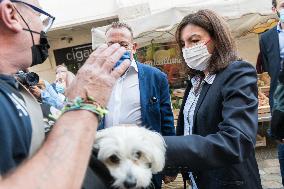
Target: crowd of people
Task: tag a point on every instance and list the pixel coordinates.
(213, 144)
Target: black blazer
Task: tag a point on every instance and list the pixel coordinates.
(221, 150)
(270, 52)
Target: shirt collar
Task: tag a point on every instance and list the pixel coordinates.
(195, 80)
(134, 65)
(279, 29)
(209, 79)
(10, 80)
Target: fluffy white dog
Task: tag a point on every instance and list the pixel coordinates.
(132, 154)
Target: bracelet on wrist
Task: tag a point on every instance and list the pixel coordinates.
(81, 104)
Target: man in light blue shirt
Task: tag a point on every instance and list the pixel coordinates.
(52, 97)
(49, 95)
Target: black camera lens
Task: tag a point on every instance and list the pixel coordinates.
(28, 79)
(32, 78)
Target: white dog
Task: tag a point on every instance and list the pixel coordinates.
(132, 154)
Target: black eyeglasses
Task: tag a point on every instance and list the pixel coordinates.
(124, 44)
(47, 19)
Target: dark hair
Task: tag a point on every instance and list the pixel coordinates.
(225, 50)
(120, 25)
(274, 3)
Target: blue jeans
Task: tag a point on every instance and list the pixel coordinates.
(281, 160)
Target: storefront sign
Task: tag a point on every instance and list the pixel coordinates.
(167, 61)
(166, 57)
(73, 55)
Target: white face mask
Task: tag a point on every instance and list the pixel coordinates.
(197, 57)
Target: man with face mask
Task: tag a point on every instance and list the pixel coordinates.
(61, 161)
(272, 52)
(141, 96)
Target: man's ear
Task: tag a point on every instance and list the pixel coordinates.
(135, 46)
(9, 16)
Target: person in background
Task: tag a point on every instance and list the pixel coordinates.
(63, 79)
(60, 161)
(46, 94)
(141, 96)
(277, 120)
(272, 52)
(218, 121)
(259, 64)
(53, 94)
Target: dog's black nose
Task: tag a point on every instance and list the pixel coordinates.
(130, 182)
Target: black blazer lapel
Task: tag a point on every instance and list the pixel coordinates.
(202, 95)
(274, 41)
(180, 123)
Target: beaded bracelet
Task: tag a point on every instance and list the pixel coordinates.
(80, 104)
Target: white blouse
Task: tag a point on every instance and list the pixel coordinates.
(192, 99)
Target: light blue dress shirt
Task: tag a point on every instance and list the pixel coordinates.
(51, 97)
(192, 100)
(281, 40)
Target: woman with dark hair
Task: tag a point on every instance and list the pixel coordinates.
(218, 120)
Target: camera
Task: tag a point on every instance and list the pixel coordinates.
(28, 78)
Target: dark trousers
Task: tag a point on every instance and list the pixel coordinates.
(157, 181)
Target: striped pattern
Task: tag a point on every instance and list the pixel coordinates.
(177, 184)
(192, 100)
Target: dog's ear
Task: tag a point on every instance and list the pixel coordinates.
(158, 150)
(99, 137)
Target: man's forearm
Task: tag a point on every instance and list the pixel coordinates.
(61, 162)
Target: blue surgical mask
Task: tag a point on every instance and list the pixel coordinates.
(125, 56)
(59, 88)
(281, 16)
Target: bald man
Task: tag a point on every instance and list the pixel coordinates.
(61, 161)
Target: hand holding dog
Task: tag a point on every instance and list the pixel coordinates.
(97, 76)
